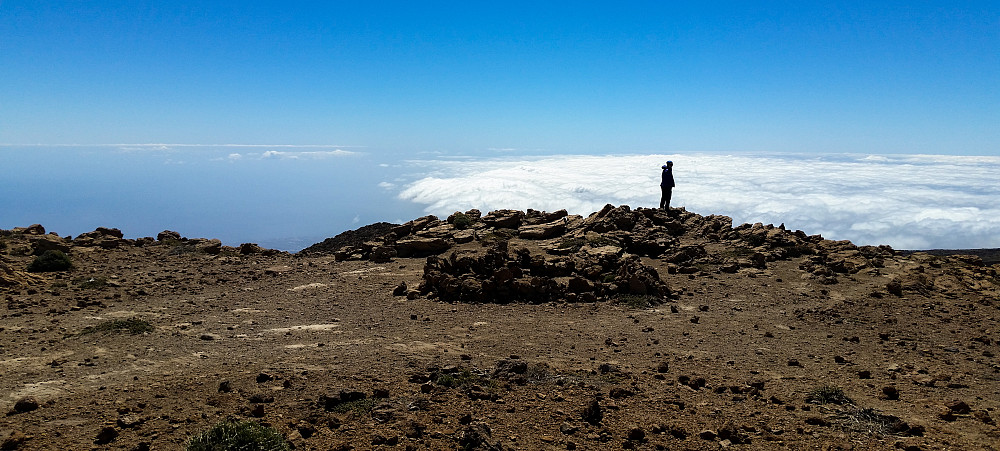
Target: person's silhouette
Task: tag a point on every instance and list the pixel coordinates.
(666, 185)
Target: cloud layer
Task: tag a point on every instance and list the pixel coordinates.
(906, 201)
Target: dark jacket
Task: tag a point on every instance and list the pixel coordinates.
(667, 178)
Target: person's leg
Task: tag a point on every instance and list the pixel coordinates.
(664, 192)
(666, 195)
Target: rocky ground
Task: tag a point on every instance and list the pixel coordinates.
(628, 329)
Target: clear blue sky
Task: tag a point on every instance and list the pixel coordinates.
(538, 77)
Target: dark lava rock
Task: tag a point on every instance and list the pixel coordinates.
(959, 407)
(355, 238)
(889, 392)
(593, 413)
(106, 436)
(25, 405)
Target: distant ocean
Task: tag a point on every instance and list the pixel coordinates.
(290, 197)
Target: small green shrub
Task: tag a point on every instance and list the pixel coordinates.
(637, 301)
(232, 435)
(461, 221)
(828, 394)
(131, 325)
(50, 260)
(362, 406)
(461, 378)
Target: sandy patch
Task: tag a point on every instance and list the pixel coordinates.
(308, 327)
(307, 286)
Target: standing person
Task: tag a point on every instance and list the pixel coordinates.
(666, 185)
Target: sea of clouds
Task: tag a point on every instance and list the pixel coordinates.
(906, 201)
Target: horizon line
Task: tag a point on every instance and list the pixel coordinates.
(299, 146)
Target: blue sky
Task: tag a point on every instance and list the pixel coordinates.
(460, 77)
(271, 121)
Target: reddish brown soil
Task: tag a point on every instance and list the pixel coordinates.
(730, 360)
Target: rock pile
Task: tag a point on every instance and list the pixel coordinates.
(501, 276)
(584, 259)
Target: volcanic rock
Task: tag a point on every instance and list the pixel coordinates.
(542, 231)
(421, 246)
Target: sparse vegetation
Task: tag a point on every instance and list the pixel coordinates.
(870, 421)
(50, 260)
(233, 435)
(637, 301)
(461, 221)
(132, 325)
(537, 373)
(362, 406)
(459, 379)
(828, 394)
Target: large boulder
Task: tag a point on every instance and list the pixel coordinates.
(168, 235)
(250, 249)
(416, 225)
(51, 242)
(533, 217)
(504, 219)
(383, 254)
(442, 230)
(421, 246)
(34, 229)
(211, 247)
(620, 218)
(542, 231)
(104, 237)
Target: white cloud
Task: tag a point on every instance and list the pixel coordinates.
(292, 155)
(235, 156)
(907, 201)
(386, 185)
